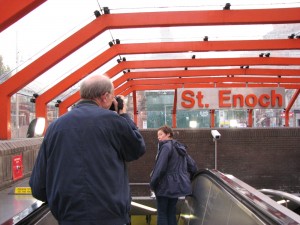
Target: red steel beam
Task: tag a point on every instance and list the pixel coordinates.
(250, 120)
(129, 86)
(287, 110)
(174, 111)
(174, 86)
(184, 81)
(72, 79)
(186, 73)
(135, 20)
(138, 20)
(107, 55)
(212, 118)
(13, 10)
(135, 111)
(277, 75)
(206, 62)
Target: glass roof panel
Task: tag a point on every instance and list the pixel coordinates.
(53, 21)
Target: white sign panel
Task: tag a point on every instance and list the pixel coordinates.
(230, 98)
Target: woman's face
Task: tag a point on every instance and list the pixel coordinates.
(162, 136)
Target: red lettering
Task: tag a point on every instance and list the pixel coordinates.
(251, 98)
(223, 97)
(186, 96)
(200, 97)
(238, 97)
(275, 96)
(261, 101)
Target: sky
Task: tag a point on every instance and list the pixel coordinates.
(55, 20)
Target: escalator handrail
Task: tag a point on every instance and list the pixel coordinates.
(16, 219)
(35, 216)
(251, 197)
(282, 194)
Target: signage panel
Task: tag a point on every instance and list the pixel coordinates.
(230, 98)
(17, 167)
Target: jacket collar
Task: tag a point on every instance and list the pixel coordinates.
(87, 101)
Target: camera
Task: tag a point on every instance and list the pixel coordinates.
(120, 104)
(215, 134)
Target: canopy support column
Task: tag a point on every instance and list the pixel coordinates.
(5, 121)
(135, 115)
(287, 110)
(174, 112)
(212, 118)
(250, 114)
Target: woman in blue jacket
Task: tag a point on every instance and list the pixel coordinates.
(171, 175)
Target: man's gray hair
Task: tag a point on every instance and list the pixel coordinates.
(95, 86)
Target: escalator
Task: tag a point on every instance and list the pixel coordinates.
(223, 199)
(290, 201)
(217, 199)
(41, 216)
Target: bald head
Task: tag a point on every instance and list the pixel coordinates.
(96, 86)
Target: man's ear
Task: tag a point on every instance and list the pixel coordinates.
(103, 97)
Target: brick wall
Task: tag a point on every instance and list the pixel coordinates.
(263, 158)
(28, 148)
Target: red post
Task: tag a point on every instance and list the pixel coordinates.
(212, 118)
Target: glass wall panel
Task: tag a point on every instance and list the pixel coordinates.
(22, 112)
(193, 118)
(155, 109)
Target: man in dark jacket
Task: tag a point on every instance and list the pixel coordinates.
(80, 170)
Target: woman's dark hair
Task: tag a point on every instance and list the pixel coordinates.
(167, 130)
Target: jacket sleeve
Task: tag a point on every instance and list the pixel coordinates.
(37, 180)
(191, 165)
(133, 143)
(160, 167)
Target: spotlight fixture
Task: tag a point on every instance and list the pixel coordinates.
(124, 59)
(128, 71)
(261, 55)
(110, 43)
(118, 60)
(205, 38)
(268, 54)
(241, 67)
(227, 6)
(298, 36)
(58, 101)
(106, 10)
(36, 127)
(185, 68)
(97, 13)
(35, 95)
(193, 56)
(291, 36)
(118, 41)
(246, 67)
(56, 105)
(124, 71)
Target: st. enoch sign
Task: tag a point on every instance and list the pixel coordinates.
(230, 98)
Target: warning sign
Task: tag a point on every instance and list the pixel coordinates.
(23, 190)
(17, 167)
